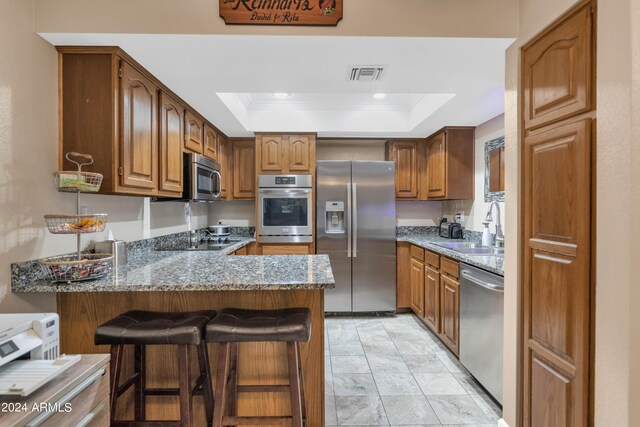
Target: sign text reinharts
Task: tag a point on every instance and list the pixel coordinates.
(281, 12)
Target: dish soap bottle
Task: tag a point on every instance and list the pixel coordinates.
(486, 235)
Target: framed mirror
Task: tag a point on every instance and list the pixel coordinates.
(494, 170)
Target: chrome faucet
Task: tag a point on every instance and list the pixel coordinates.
(489, 218)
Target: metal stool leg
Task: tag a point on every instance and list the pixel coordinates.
(294, 384)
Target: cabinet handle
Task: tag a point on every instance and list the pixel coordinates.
(355, 220)
(90, 416)
(68, 397)
(349, 231)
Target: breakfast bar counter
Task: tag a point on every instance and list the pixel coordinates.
(201, 280)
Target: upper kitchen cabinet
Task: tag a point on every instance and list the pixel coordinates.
(210, 142)
(170, 152)
(244, 171)
(557, 72)
(447, 170)
(135, 127)
(405, 156)
(286, 154)
(193, 133)
(224, 157)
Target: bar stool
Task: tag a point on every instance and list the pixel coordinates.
(142, 328)
(232, 326)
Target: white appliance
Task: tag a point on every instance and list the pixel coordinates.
(34, 339)
(285, 208)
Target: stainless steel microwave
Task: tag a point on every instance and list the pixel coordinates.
(202, 179)
(285, 204)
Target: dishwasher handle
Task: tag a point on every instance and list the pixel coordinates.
(486, 285)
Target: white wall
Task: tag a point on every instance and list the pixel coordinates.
(475, 211)
(28, 157)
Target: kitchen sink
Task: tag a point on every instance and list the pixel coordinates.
(481, 251)
(460, 246)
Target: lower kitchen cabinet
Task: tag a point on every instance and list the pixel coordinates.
(417, 286)
(430, 285)
(277, 249)
(450, 312)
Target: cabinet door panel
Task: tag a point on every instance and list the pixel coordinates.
(244, 176)
(450, 312)
(224, 154)
(171, 137)
(557, 72)
(210, 142)
(417, 287)
(405, 156)
(299, 153)
(272, 152)
(432, 298)
(403, 275)
(194, 133)
(436, 167)
(139, 156)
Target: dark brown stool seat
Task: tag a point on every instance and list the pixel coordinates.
(240, 325)
(142, 328)
(234, 325)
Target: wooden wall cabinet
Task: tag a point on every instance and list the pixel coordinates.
(558, 177)
(193, 133)
(210, 142)
(405, 156)
(171, 135)
(448, 165)
(115, 110)
(224, 160)
(438, 168)
(286, 154)
(243, 169)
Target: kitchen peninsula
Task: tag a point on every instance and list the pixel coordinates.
(199, 280)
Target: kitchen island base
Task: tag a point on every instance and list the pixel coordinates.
(259, 363)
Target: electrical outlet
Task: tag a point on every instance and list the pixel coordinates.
(460, 216)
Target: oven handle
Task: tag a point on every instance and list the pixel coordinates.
(219, 183)
(287, 192)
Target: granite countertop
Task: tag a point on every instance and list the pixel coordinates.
(494, 264)
(167, 270)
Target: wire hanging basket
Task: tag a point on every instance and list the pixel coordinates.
(72, 181)
(68, 268)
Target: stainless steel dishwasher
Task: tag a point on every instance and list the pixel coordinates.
(481, 326)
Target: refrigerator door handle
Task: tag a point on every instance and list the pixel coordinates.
(349, 220)
(354, 191)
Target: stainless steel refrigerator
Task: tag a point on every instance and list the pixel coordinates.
(356, 227)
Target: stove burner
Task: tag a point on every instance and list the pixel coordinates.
(218, 240)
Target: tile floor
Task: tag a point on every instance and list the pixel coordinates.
(392, 371)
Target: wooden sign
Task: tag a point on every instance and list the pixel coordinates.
(281, 12)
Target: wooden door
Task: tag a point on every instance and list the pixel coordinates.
(194, 133)
(432, 298)
(558, 184)
(436, 155)
(139, 130)
(210, 142)
(272, 151)
(299, 153)
(557, 72)
(417, 287)
(405, 156)
(450, 312)
(244, 170)
(171, 137)
(224, 154)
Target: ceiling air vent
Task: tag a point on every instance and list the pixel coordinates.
(366, 73)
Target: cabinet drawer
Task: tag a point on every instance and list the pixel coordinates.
(450, 267)
(285, 249)
(432, 258)
(417, 252)
(86, 401)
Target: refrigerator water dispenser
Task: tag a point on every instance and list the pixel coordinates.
(334, 217)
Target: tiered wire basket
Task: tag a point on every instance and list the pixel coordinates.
(78, 266)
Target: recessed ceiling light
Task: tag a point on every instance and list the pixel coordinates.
(380, 95)
(280, 95)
